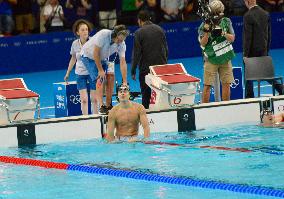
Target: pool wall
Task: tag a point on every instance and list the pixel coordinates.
(174, 120)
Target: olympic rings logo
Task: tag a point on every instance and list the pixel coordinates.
(235, 83)
(280, 108)
(75, 99)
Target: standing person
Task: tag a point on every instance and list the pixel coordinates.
(6, 17)
(107, 13)
(79, 9)
(150, 48)
(53, 16)
(126, 117)
(218, 52)
(42, 4)
(95, 55)
(271, 5)
(256, 38)
(128, 13)
(23, 14)
(152, 7)
(81, 29)
(172, 10)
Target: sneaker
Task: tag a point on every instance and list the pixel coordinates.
(103, 110)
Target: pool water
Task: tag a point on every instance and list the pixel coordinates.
(245, 154)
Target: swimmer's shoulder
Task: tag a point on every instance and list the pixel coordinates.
(138, 106)
(113, 110)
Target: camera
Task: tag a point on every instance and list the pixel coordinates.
(209, 17)
(216, 32)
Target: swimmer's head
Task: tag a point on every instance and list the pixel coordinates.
(123, 93)
(123, 88)
(266, 116)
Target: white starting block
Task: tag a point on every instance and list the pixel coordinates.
(17, 103)
(171, 86)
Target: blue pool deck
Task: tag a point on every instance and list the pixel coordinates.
(42, 82)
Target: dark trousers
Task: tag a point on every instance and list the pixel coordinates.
(249, 89)
(145, 90)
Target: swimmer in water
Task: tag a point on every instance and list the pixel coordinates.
(270, 120)
(125, 117)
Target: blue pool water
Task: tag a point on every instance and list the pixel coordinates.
(262, 166)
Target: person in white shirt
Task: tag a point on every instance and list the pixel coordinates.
(96, 57)
(81, 29)
(53, 16)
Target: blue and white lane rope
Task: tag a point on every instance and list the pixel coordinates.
(256, 190)
(179, 180)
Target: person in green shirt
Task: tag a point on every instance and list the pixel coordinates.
(129, 11)
(216, 43)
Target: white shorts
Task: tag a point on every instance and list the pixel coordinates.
(110, 69)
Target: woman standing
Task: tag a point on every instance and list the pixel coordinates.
(81, 29)
(53, 16)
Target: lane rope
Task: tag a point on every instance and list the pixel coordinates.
(222, 148)
(255, 190)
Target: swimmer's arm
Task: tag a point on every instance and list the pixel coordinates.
(144, 122)
(110, 126)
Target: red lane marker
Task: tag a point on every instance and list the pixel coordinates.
(227, 148)
(38, 163)
(162, 143)
(244, 150)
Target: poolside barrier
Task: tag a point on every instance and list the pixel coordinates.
(255, 190)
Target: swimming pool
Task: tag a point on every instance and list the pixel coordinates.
(237, 155)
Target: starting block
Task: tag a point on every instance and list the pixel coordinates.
(171, 86)
(17, 102)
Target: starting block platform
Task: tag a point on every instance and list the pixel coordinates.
(171, 86)
(17, 102)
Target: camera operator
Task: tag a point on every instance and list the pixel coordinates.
(216, 36)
